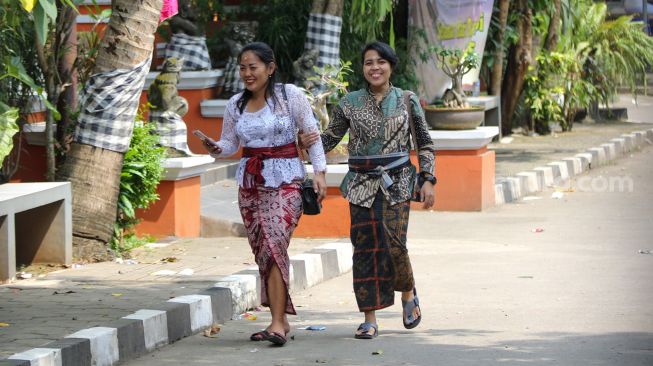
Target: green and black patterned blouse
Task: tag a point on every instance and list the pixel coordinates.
(378, 129)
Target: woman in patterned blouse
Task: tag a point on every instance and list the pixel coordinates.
(379, 184)
(264, 120)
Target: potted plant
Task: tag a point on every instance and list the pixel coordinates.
(328, 86)
(452, 111)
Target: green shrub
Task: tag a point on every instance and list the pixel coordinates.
(141, 173)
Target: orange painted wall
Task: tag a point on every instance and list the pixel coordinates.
(466, 180)
(176, 213)
(332, 222)
(32, 164)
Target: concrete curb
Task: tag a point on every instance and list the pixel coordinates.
(511, 189)
(148, 329)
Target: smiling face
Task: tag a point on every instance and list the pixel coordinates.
(377, 70)
(254, 72)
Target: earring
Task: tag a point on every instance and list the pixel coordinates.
(269, 76)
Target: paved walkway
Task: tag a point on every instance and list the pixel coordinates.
(52, 305)
(492, 291)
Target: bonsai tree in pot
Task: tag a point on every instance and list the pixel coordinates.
(452, 111)
(455, 63)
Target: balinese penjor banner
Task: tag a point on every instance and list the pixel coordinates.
(450, 24)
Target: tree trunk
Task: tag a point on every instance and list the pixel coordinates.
(67, 103)
(50, 125)
(497, 67)
(92, 172)
(95, 172)
(519, 58)
(331, 7)
(552, 34)
(457, 84)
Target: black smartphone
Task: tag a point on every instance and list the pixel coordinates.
(202, 136)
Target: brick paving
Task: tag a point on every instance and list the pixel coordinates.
(59, 303)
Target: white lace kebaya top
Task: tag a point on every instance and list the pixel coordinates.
(268, 127)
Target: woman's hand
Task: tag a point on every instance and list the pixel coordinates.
(307, 139)
(212, 147)
(319, 185)
(427, 194)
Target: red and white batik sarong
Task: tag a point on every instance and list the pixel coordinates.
(270, 216)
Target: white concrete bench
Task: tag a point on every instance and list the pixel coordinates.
(35, 225)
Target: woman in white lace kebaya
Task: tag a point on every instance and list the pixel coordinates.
(264, 119)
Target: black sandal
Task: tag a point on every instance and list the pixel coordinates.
(277, 338)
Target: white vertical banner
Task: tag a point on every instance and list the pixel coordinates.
(456, 24)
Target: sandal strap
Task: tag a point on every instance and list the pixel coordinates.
(409, 308)
(366, 326)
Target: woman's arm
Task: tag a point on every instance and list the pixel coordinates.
(302, 114)
(229, 141)
(425, 146)
(338, 127)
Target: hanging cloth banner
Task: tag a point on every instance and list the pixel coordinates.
(456, 24)
(170, 8)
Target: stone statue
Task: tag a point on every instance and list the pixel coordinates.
(238, 35)
(167, 108)
(185, 20)
(303, 69)
(188, 41)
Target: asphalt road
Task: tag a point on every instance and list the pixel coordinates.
(494, 289)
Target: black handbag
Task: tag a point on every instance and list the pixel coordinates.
(309, 199)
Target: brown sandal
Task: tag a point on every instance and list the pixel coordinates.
(260, 336)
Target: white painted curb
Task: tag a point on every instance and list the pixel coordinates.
(104, 344)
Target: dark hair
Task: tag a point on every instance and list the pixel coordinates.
(265, 53)
(385, 51)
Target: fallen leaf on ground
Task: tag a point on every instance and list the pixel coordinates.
(116, 294)
(378, 352)
(63, 293)
(210, 333)
(4, 325)
(169, 259)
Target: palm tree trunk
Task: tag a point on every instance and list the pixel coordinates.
(95, 172)
(497, 67)
(519, 58)
(332, 7)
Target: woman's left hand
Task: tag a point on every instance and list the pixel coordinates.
(319, 185)
(428, 195)
(307, 139)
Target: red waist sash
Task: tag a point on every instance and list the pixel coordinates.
(256, 155)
